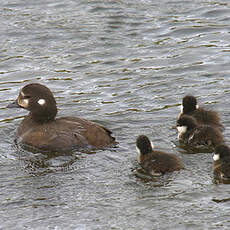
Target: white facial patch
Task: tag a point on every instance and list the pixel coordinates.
(216, 157)
(139, 154)
(197, 106)
(181, 109)
(41, 101)
(152, 145)
(138, 150)
(181, 129)
(24, 103)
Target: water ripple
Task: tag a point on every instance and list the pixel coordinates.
(125, 64)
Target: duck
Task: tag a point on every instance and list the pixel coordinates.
(154, 161)
(221, 162)
(208, 117)
(41, 130)
(193, 134)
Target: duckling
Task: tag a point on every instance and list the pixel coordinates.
(153, 161)
(41, 129)
(208, 117)
(221, 163)
(191, 133)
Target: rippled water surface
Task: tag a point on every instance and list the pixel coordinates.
(125, 64)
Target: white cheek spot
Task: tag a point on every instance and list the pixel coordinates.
(152, 145)
(181, 129)
(216, 157)
(41, 101)
(139, 155)
(181, 109)
(197, 106)
(24, 103)
(138, 150)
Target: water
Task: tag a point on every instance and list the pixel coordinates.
(126, 65)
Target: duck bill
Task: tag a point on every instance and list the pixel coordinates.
(174, 127)
(13, 105)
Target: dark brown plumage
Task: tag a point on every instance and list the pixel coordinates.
(221, 163)
(197, 135)
(153, 161)
(41, 130)
(203, 116)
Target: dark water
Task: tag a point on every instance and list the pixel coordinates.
(126, 65)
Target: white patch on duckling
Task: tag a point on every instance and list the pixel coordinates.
(216, 157)
(181, 109)
(41, 101)
(139, 154)
(181, 130)
(152, 145)
(138, 150)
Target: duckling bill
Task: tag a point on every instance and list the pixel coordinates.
(153, 161)
(42, 130)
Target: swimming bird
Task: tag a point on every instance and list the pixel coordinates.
(221, 163)
(208, 117)
(193, 134)
(154, 161)
(41, 129)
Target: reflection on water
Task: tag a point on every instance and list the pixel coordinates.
(126, 65)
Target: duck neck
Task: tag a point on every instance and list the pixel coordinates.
(44, 116)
